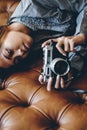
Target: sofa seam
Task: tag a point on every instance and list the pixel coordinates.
(63, 111)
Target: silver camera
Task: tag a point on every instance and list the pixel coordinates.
(54, 62)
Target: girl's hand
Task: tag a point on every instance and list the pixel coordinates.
(59, 82)
(63, 44)
(66, 43)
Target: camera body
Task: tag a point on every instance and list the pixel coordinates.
(54, 62)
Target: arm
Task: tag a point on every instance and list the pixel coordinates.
(69, 42)
(81, 22)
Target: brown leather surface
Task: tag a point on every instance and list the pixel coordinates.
(6, 9)
(25, 104)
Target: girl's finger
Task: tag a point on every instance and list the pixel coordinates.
(57, 83)
(62, 83)
(71, 43)
(66, 45)
(40, 79)
(49, 84)
(46, 43)
(61, 50)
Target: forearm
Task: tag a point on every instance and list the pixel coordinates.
(83, 28)
(81, 38)
(81, 22)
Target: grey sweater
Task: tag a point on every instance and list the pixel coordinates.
(61, 16)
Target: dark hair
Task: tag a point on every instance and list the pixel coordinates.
(3, 28)
(3, 31)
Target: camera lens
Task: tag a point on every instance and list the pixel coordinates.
(60, 66)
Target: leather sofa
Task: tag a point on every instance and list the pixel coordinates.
(25, 104)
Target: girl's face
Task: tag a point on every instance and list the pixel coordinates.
(14, 47)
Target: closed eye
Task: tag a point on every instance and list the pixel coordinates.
(26, 47)
(9, 58)
(8, 54)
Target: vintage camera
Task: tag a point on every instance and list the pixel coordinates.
(54, 62)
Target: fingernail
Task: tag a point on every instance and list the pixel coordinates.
(64, 54)
(49, 85)
(42, 45)
(57, 82)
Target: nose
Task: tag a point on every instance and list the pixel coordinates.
(20, 52)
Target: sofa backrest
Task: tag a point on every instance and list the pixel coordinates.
(6, 9)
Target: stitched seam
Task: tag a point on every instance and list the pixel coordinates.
(41, 112)
(34, 95)
(6, 111)
(16, 96)
(63, 111)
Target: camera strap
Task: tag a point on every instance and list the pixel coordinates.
(78, 90)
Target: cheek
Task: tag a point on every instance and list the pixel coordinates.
(10, 42)
(0, 44)
(5, 44)
(5, 64)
